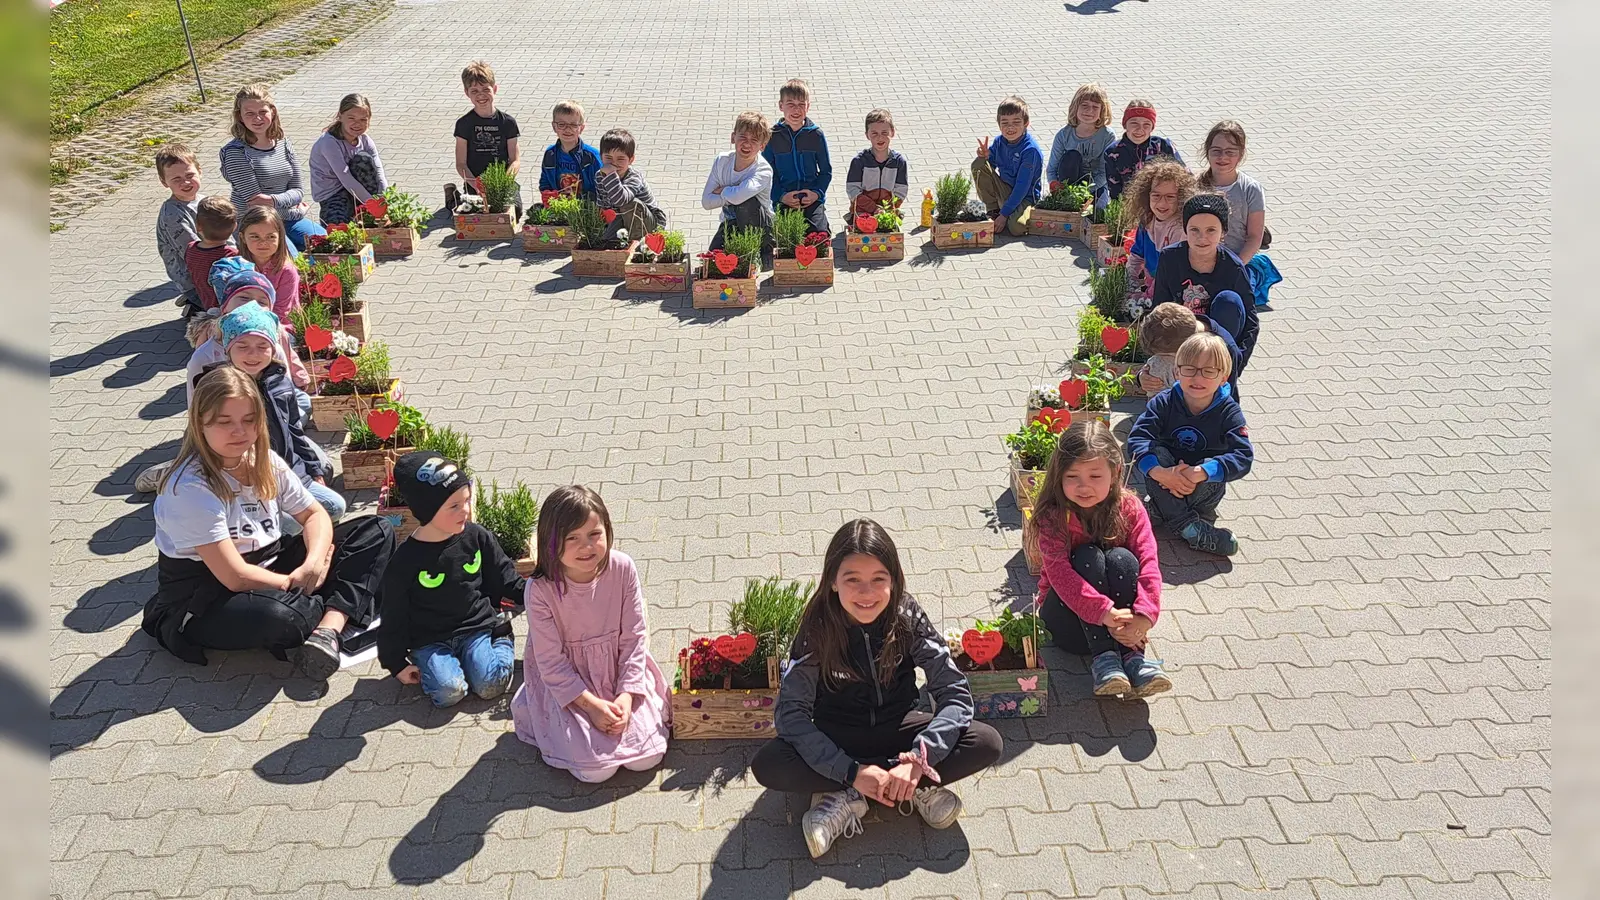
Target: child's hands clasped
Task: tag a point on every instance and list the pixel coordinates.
(887, 786)
(1180, 479)
(610, 717)
(1132, 632)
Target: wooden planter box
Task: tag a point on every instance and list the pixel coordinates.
(656, 278)
(724, 293)
(357, 324)
(1092, 234)
(393, 241)
(1059, 223)
(875, 247)
(1022, 481)
(366, 264)
(367, 469)
(1107, 250)
(726, 713)
(549, 238)
(1131, 389)
(602, 263)
(525, 564)
(1001, 694)
(485, 226)
(963, 235)
(399, 517)
(327, 413)
(1030, 552)
(789, 272)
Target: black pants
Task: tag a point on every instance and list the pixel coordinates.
(779, 767)
(1113, 572)
(755, 212)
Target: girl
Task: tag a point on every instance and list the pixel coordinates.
(244, 285)
(1205, 276)
(1156, 196)
(847, 732)
(345, 169)
(266, 244)
(1100, 587)
(1247, 204)
(261, 166)
(1078, 151)
(226, 579)
(1138, 145)
(592, 698)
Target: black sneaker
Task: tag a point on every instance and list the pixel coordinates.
(452, 198)
(318, 657)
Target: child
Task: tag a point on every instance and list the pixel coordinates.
(214, 218)
(345, 168)
(569, 164)
(267, 246)
(1137, 146)
(1189, 440)
(1078, 152)
(484, 135)
(1155, 196)
(740, 178)
(442, 590)
(592, 698)
(1165, 329)
(240, 284)
(1201, 274)
(178, 172)
(1100, 586)
(260, 165)
(622, 187)
(878, 173)
(1006, 172)
(848, 730)
(798, 154)
(1247, 205)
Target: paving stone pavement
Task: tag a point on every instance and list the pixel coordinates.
(1361, 706)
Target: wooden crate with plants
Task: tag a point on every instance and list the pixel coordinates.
(354, 386)
(443, 440)
(336, 288)
(375, 440)
(548, 226)
(876, 238)
(727, 687)
(1116, 345)
(512, 516)
(959, 224)
(727, 277)
(391, 220)
(347, 242)
(800, 257)
(1000, 658)
(488, 216)
(659, 265)
(1090, 395)
(1030, 448)
(1062, 213)
(320, 343)
(596, 255)
(1111, 240)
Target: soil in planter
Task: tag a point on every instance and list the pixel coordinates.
(750, 676)
(612, 244)
(1008, 659)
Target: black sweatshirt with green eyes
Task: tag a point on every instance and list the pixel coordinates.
(435, 591)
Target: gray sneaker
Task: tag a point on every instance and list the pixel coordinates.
(832, 815)
(1109, 679)
(318, 657)
(149, 481)
(1145, 674)
(1208, 538)
(938, 806)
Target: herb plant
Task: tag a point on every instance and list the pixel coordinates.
(1104, 387)
(1013, 627)
(1090, 324)
(510, 515)
(412, 431)
(1108, 288)
(671, 249)
(448, 443)
(1066, 197)
(403, 211)
(744, 243)
(558, 210)
(499, 187)
(1032, 445)
(889, 218)
(346, 238)
(770, 610)
(790, 230)
(310, 312)
(950, 197)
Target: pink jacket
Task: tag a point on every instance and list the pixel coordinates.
(286, 287)
(1091, 605)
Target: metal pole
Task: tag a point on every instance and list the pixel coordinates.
(184, 19)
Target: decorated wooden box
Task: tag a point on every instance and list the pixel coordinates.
(1030, 550)
(1130, 388)
(963, 235)
(485, 226)
(526, 562)
(797, 273)
(1005, 685)
(724, 293)
(601, 263)
(656, 278)
(366, 469)
(1058, 223)
(549, 238)
(393, 241)
(1022, 480)
(400, 517)
(878, 247)
(1092, 233)
(1108, 250)
(365, 266)
(327, 413)
(727, 712)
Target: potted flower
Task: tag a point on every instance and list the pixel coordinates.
(344, 242)
(800, 256)
(335, 285)
(1041, 396)
(957, 223)
(487, 216)
(354, 385)
(727, 687)
(1031, 447)
(1063, 212)
(373, 442)
(876, 238)
(596, 255)
(547, 228)
(1106, 234)
(1000, 658)
(511, 516)
(445, 441)
(659, 265)
(1091, 393)
(727, 277)
(391, 220)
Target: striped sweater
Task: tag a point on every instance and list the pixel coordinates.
(615, 193)
(274, 172)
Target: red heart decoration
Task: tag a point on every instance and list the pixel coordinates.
(867, 224)
(981, 646)
(1073, 392)
(735, 648)
(377, 207)
(329, 287)
(1056, 419)
(318, 338)
(333, 228)
(545, 196)
(805, 255)
(1114, 338)
(342, 369)
(656, 241)
(383, 422)
(726, 262)
(609, 215)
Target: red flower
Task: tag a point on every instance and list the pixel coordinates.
(316, 242)
(817, 238)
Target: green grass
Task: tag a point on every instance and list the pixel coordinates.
(100, 49)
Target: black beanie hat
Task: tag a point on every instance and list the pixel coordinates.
(1200, 204)
(426, 480)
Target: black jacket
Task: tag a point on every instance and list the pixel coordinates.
(433, 592)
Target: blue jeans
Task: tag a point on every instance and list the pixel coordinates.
(472, 661)
(327, 496)
(299, 230)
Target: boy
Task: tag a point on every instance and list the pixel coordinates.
(798, 155)
(740, 178)
(877, 173)
(1164, 330)
(214, 218)
(178, 172)
(569, 164)
(1191, 439)
(484, 136)
(1006, 172)
(442, 588)
(1201, 273)
(622, 187)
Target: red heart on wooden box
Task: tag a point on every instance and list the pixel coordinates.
(735, 648)
(609, 215)
(867, 224)
(656, 241)
(342, 369)
(1114, 338)
(318, 338)
(805, 255)
(726, 262)
(1073, 392)
(383, 422)
(329, 287)
(981, 646)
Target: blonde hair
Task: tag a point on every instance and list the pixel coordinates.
(1205, 349)
(171, 155)
(255, 92)
(795, 89)
(1136, 196)
(350, 101)
(1090, 91)
(569, 108)
(754, 124)
(256, 215)
(213, 389)
(477, 72)
(1229, 127)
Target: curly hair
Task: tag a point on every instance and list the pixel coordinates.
(1136, 196)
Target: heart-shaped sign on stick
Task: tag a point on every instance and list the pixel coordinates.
(1056, 419)
(1073, 392)
(1114, 338)
(656, 241)
(608, 215)
(981, 646)
(867, 224)
(329, 287)
(383, 422)
(342, 369)
(377, 207)
(726, 262)
(805, 255)
(318, 338)
(735, 648)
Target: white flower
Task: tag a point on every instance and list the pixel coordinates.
(345, 344)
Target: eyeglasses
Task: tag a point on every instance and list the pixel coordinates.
(567, 126)
(1225, 153)
(1204, 372)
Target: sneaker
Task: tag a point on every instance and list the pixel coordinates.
(938, 806)
(149, 481)
(832, 815)
(1109, 679)
(452, 198)
(318, 657)
(497, 687)
(1145, 675)
(1208, 538)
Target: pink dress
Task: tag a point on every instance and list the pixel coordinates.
(591, 637)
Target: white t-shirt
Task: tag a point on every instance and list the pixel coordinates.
(1244, 197)
(189, 515)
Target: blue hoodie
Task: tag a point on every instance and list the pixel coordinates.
(1019, 165)
(799, 160)
(1217, 439)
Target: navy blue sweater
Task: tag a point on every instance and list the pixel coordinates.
(1217, 439)
(799, 160)
(1178, 282)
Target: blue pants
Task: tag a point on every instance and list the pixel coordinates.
(327, 496)
(472, 661)
(299, 230)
